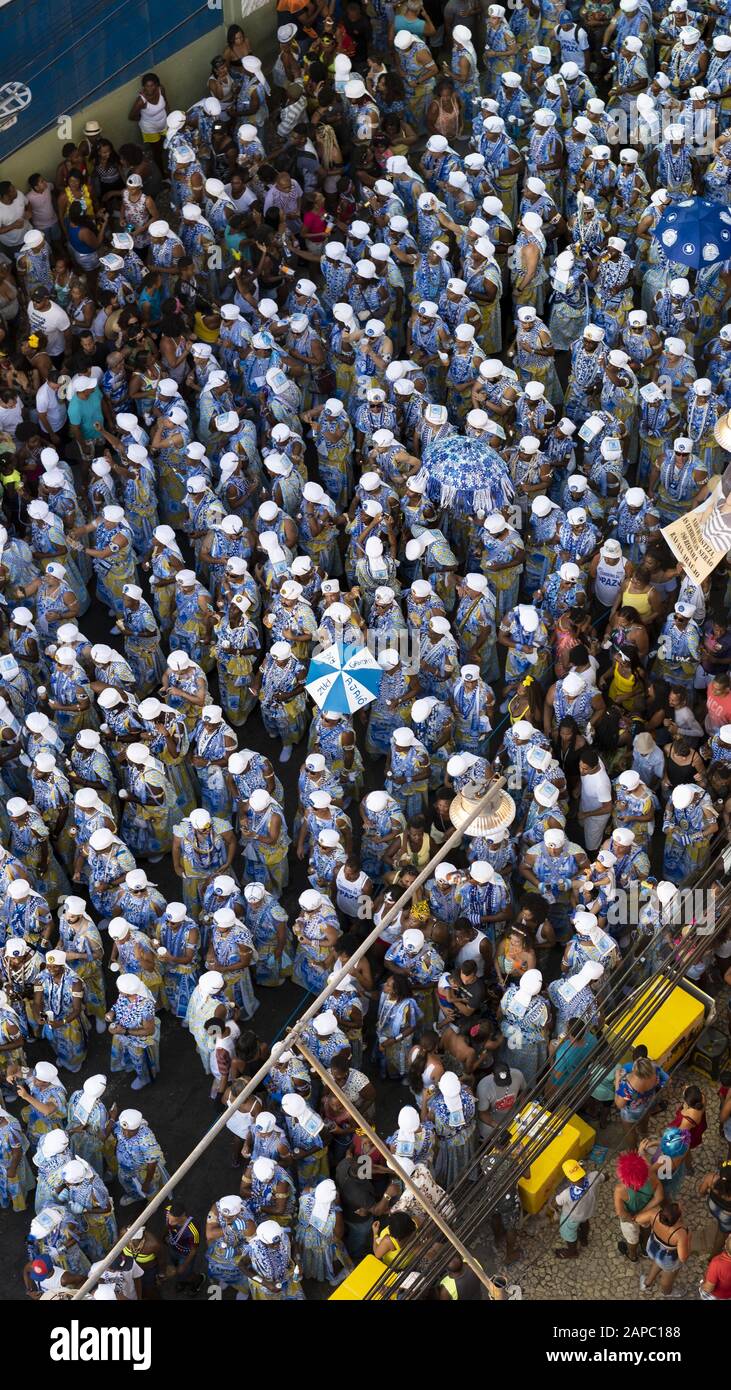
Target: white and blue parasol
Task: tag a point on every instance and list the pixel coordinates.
(466, 476)
(342, 679)
(695, 232)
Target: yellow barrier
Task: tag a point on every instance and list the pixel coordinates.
(359, 1282)
(675, 1025)
(546, 1172)
(668, 1035)
(587, 1135)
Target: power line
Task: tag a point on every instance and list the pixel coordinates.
(518, 1156)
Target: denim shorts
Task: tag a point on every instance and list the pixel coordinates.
(666, 1259)
(722, 1217)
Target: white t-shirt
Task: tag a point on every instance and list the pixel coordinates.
(48, 404)
(223, 1045)
(608, 580)
(98, 324)
(52, 321)
(588, 675)
(573, 43)
(245, 201)
(10, 417)
(581, 1209)
(596, 789)
(240, 1122)
(121, 1279)
(686, 722)
(690, 592)
(9, 213)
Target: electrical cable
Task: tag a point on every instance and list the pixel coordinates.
(569, 1096)
(517, 1156)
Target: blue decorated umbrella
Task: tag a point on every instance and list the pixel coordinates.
(342, 679)
(695, 232)
(466, 476)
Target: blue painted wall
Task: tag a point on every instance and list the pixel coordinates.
(67, 53)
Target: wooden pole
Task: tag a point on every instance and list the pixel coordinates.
(394, 1164)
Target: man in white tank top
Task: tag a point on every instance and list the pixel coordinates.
(608, 571)
(472, 945)
(353, 891)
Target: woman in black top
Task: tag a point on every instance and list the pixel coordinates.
(567, 748)
(439, 825)
(108, 181)
(358, 28)
(657, 710)
(682, 764)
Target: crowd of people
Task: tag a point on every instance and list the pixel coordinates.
(229, 349)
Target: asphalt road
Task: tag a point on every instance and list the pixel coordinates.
(177, 1105)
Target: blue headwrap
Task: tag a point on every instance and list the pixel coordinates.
(674, 1142)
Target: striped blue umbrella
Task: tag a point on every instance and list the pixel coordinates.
(342, 679)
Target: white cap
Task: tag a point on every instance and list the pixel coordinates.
(585, 922)
(684, 795)
(45, 1071)
(546, 794)
(573, 684)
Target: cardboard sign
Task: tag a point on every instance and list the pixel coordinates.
(698, 556)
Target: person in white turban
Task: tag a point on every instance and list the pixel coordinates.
(320, 1235)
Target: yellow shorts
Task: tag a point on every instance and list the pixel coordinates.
(151, 137)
